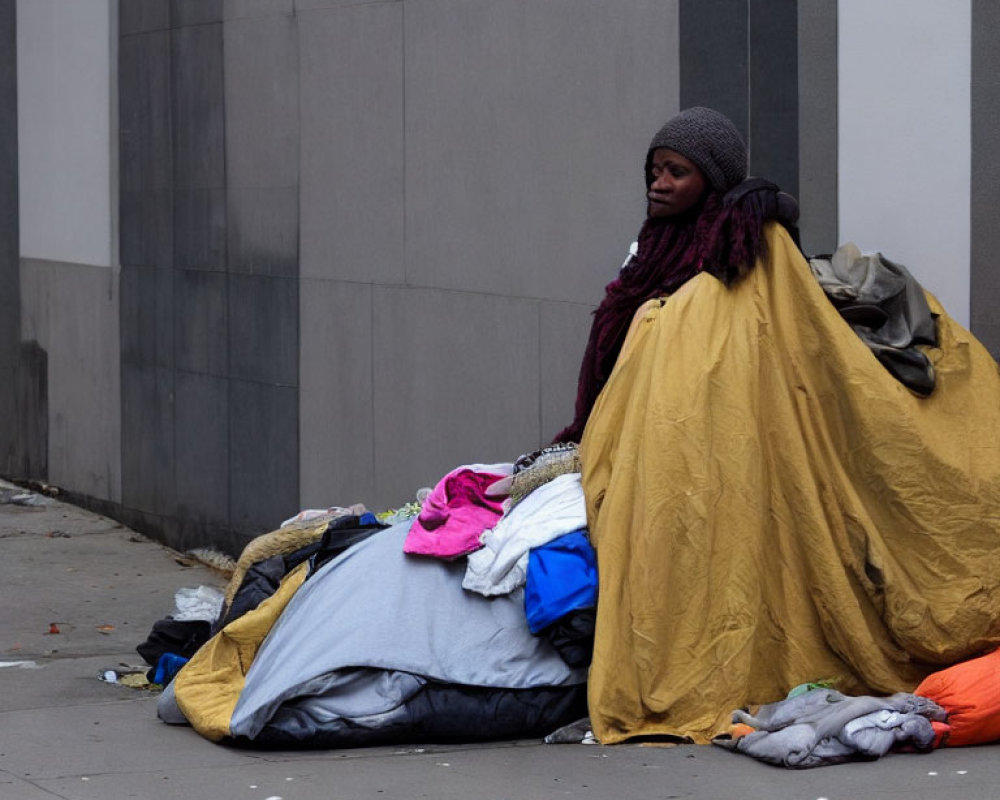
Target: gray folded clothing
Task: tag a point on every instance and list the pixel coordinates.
(826, 727)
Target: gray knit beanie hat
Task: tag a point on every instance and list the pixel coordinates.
(710, 140)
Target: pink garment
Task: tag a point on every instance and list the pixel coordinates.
(454, 515)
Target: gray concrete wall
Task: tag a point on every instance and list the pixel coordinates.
(66, 153)
(985, 234)
(360, 241)
(467, 190)
(817, 146)
(904, 135)
(209, 253)
(67, 420)
(69, 312)
(10, 309)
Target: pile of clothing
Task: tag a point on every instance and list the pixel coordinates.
(472, 620)
(777, 488)
(817, 725)
(823, 726)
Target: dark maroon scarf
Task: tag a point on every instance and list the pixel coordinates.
(723, 236)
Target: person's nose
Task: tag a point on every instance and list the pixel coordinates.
(661, 183)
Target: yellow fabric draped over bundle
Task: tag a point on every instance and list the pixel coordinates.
(769, 506)
(208, 688)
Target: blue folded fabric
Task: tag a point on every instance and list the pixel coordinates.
(562, 577)
(167, 667)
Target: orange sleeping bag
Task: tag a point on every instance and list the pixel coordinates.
(970, 693)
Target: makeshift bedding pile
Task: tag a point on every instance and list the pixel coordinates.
(367, 644)
(768, 506)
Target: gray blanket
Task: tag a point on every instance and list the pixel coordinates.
(371, 629)
(886, 307)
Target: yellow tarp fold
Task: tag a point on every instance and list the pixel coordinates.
(209, 685)
(770, 506)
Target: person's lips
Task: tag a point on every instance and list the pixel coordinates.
(658, 198)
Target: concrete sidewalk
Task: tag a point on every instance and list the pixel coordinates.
(66, 734)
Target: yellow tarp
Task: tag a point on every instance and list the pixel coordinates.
(209, 685)
(769, 506)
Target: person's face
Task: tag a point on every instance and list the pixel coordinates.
(678, 184)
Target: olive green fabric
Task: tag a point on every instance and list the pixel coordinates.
(770, 506)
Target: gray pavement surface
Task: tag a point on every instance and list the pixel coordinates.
(66, 734)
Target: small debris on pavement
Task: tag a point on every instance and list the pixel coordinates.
(19, 497)
(133, 678)
(137, 680)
